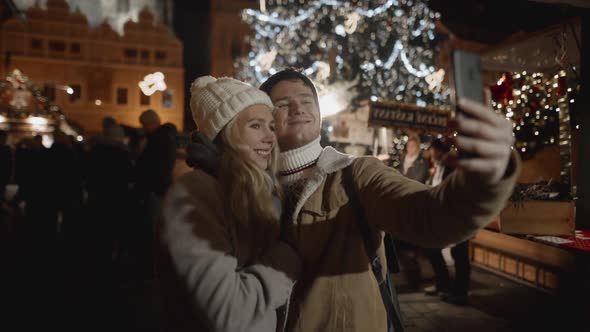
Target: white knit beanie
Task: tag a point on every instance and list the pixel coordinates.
(214, 102)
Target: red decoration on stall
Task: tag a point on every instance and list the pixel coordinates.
(581, 240)
(503, 93)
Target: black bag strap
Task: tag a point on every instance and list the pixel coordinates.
(386, 287)
(391, 254)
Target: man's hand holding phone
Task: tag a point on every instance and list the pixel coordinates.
(486, 136)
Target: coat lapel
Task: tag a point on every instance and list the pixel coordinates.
(329, 162)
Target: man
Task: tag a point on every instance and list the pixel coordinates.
(337, 290)
(439, 151)
(158, 156)
(153, 172)
(457, 294)
(413, 165)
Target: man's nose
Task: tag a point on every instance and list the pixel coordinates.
(295, 108)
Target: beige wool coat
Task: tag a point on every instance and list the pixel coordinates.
(337, 290)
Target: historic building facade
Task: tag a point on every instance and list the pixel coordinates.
(228, 34)
(95, 72)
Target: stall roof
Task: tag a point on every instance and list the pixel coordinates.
(575, 3)
(537, 51)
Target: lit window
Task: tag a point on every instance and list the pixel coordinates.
(122, 96)
(36, 44)
(143, 99)
(75, 48)
(130, 53)
(57, 46)
(160, 56)
(167, 98)
(76, 93)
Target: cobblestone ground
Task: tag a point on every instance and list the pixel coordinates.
(495, 304)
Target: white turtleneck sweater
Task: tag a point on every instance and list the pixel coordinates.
(299, 163)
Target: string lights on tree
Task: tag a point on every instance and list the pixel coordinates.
(387, 48)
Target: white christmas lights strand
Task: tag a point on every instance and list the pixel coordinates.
(293, 23)
(418, 73)
(308, 12)
(398, 49)
(379, 10)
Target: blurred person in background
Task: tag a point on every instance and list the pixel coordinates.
(108, 175)
(6, 164)
(455, 292)
(152, 178)
(414, 166)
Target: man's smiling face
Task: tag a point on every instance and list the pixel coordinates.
(297, 114)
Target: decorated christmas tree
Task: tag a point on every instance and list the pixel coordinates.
(378, 50)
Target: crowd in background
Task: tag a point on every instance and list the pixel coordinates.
(431, 166)
(81, 222)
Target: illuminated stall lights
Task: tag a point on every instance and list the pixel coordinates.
(37, 120)
(536, 103)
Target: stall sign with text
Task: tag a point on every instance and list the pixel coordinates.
(398, 115)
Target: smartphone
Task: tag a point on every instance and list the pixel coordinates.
(466, 76)
(465, 81)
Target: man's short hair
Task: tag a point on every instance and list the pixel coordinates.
(440, 145)
(289, 74)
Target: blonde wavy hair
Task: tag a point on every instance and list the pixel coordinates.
(248, 189)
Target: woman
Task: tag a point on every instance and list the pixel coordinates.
(223, 267)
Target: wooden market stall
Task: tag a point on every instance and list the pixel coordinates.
(537, 239)
(26, 112)
(534, 78)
